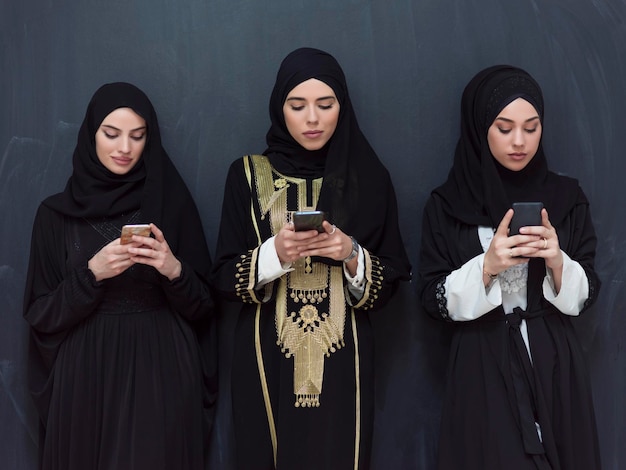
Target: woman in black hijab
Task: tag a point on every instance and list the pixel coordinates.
(302, 384)
(518, 396)
(115, 364)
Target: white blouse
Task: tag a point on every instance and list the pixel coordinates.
(468, 299)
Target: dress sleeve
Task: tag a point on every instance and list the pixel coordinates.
(578, 240)
(465, 293)
(56, 299)
(574, 288)
(188, 294)
(235, 271)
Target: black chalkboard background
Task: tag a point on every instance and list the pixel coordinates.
(209, 65)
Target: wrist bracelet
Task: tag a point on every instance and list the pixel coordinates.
(355, 250)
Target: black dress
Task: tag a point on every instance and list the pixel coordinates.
(115, 368)
(480, 427)
(518, 395)
(302, 384)
(336, 433)
(124, 387)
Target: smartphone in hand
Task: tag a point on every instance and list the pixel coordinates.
(308, 220)
(134, 229)
(525, 214)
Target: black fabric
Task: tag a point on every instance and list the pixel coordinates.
(479, 190)
(122, 371)
(358, 193)
(357, 190)
(494, 395)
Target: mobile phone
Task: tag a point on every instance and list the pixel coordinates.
(525, 214)
(134, 229)
(308, 220)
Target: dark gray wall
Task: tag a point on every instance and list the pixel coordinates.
(208, 66)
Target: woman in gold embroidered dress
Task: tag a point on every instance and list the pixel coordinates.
(302, 370)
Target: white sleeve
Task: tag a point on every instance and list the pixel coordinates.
(574, 287)
(466, 295)
(269, 265)
(356, 284)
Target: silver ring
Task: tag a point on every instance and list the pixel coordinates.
(333, 230)
(510, 252)
(545, 243)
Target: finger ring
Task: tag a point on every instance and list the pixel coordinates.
(333, 230)
(545, 243)
(510, 252)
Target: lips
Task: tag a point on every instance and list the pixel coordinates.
(517, 156)
(312, 134)
(123, 161)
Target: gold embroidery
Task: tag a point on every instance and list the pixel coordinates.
(310, 325)
(310, 303)
(257, 332)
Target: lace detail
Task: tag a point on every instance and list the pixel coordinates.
(514, 278)
(442, 301)
(592, 294)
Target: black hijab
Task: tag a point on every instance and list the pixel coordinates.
(154, 185)
(357, 192)
(479, 190)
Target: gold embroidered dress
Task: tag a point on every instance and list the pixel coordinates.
(304, 322)
(301, 374)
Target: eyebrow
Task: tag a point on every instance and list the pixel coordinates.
(132, 130)
(512, 122)
(296, 98)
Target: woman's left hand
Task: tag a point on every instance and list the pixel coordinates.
(156, 252)
(547, 246)
(332, 243)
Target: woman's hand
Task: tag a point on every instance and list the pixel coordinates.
(155, 252)
(332, 243)
(532, 242)
(289, 244)
(546, 247)
(505, 251)
(112, 260)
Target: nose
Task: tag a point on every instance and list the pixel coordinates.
(125, 145)
(312, 115)
(518, 138)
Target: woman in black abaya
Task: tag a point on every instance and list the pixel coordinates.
(115, 364)
(302, 378)
(517, 396)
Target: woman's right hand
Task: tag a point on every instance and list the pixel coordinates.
(288, 242)
(113, 259)
(503, 251)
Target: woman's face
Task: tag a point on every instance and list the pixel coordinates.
(515, 134)
(311, 113)
(120, 140)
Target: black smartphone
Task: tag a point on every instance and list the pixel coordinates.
(525, 214)
(308, 220)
